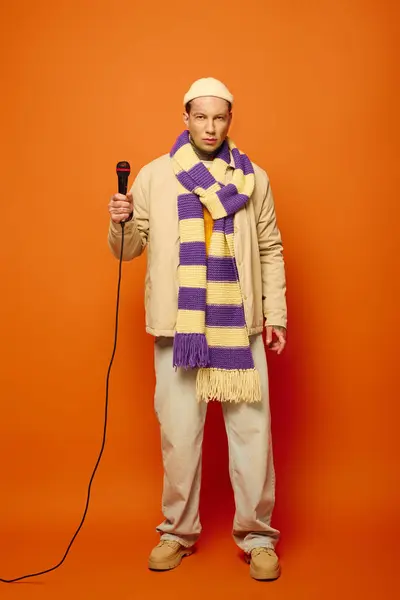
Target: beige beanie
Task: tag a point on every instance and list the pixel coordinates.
(208, 87)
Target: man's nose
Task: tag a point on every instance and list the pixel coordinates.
(210, 126)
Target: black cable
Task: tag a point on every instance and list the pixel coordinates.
(104, 433)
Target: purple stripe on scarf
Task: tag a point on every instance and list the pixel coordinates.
(225, 315)
(221, 268)
(192, 298)
(181, 141)
(231, 358)
(185, 180)
(247, 166)
(193, 253)
(224, 225)
(189, 207)
(242, 162)
(201, 175)
(237, 158)
(229, 225)
(224, 153)
(190, 350)
(230, 199)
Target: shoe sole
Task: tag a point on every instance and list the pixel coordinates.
(263, 576)
(172, 563)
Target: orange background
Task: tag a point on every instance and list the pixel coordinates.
(86, 84)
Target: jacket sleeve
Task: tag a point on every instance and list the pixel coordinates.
(272, 263)
(136, 230)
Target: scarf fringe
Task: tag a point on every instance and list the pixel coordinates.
(228, 385)
(190, 350)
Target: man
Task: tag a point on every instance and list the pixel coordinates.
(215, 275)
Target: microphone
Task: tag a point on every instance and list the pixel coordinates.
(123, 172)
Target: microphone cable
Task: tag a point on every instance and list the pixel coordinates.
(104, 432)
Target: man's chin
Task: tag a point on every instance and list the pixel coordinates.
(206, 149)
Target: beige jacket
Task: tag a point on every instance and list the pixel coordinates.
(155, 226)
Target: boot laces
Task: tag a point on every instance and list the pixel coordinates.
(258, 551)
(170, 543)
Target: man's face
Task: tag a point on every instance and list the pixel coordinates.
(208, 122)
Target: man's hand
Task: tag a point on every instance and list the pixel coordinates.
(279, 344)
(120, 207)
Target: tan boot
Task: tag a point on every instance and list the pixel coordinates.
(264, 564)
(167, 555)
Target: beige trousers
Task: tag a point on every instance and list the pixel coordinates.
(251, 467)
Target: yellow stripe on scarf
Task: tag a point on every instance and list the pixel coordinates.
(191, 321)
(219, 169)
(185, 156)
(221, 245)
(192, 230)
(223, 293)
(227, 337)
(192, 276)
(213, 204)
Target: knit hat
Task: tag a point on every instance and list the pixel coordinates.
(208, 87)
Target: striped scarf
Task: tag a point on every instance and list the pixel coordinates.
(211, 331)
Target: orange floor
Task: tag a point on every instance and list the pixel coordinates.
(320, 561)
(105, 565)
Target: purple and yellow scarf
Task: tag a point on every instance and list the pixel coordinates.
(211, 332)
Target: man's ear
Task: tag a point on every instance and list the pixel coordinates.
(186, 119)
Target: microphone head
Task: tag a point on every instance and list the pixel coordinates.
(123, 167)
